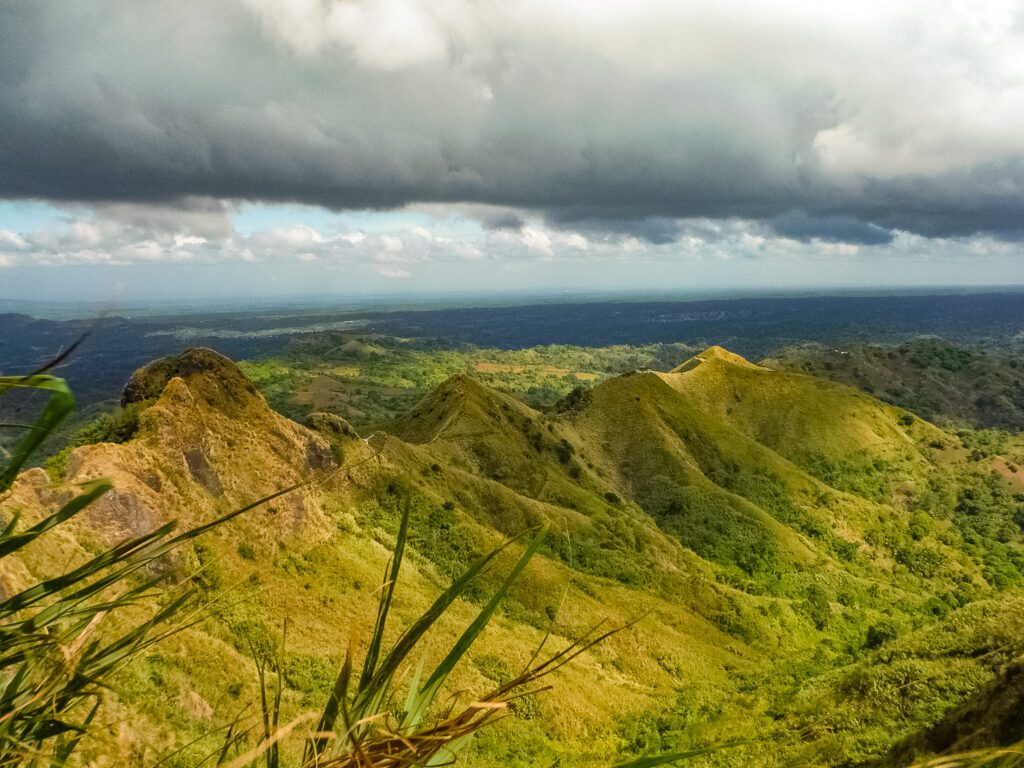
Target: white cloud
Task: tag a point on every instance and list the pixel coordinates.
(11, 239)
(379, 34)
(297, 235)
(394, 273)
(464, 250)
(577, 241)
(536, 240)
(85, 233)
(453, 250)
(184, 241)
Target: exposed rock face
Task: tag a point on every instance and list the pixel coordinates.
(337, 431)
(200, 468)
(207, 442)
(331, 425)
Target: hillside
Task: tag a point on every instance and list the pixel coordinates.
(934, 378)
(777, 536)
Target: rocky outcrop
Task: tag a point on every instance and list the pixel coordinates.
(218, 378)
(207, 442)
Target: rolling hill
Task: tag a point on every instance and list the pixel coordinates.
(797, 554)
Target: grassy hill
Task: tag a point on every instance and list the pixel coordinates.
(807, 566)
(935, 379)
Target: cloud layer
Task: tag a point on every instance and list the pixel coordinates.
(840, 123)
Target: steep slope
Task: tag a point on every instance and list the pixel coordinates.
(932, 377)
(206, 443)
(989, 719)
(516, 467)
(763, 472)
(670, 459)
(805, 419)
(792, 486)
(949, 686)
(714, 352)
(786, 458)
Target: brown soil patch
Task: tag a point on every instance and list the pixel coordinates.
(320, 392)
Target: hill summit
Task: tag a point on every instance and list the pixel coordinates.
(713, 353)
(206, 372)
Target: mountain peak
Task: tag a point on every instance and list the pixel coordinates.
(461, 403)
(713, 352)
(208, 374)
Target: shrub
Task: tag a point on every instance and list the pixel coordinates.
(881, 633)
(816, 606)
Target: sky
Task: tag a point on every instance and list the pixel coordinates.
(272, 148)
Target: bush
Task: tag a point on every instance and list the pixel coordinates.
(816, 606)
(712, 526)
(116, 426)
(309, 674)
(881, 633)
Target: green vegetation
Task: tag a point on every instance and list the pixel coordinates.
(62, 640)
(118, 425)
(803, 573)
(937, 380)
(369, 380)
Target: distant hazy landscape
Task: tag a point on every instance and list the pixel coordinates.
(753, 326)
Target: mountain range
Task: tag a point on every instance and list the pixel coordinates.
(804, 573)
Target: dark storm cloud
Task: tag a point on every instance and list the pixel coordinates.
(797, 225)
(659, 114)
(504, 220)
(656, 230)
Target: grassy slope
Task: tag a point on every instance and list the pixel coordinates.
(317, 558)
(931, 377)
(809, 487)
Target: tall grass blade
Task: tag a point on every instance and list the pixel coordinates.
(469, 636)
(11, 542)
(386, 598)
(59, 405)
(411, 637)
